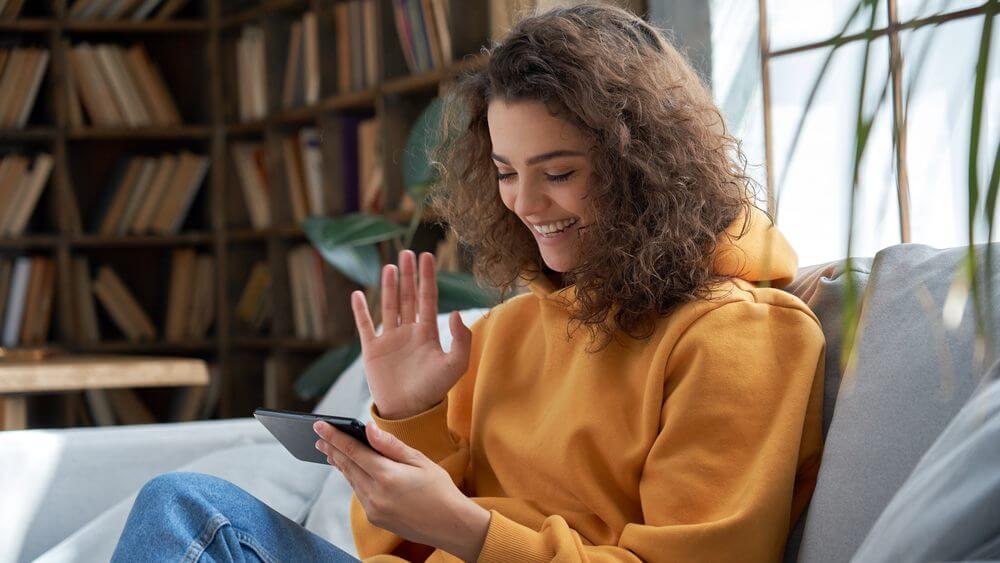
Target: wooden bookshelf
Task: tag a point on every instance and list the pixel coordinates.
(195, 53)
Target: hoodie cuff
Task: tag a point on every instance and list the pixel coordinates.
(508, 541)
(426, 431)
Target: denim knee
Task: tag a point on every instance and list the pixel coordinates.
(177, 484)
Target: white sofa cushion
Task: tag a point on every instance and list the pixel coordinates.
(265, 470)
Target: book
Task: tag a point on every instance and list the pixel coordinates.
(300, 305)
(165, 170)
(291, 90)
(251, 74)
(86, 314)
(251, 304)
(121, 190)
(312, 169)
(291, 154)
(179, 293)
(29, 92)
(95, 93)
(29, 191)
(14, 309)
(342, 35)
(153, 88)
(31, 301)
(424, 36)
(203, 298)
(184, 186)
(248, 159)
(13, 171)
(370, 178)
(122, 306)
(23, 71)
(170, 9)
(137, 194)
(6, 269)
(13, 9)
(310, 62)
(75, 111)
(349, 161)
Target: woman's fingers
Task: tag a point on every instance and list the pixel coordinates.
(407, 287)
(362, 319)
(390, 305)
(428, 290)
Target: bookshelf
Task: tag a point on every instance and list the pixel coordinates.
(196, 53)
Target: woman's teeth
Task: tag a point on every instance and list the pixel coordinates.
(553, 228)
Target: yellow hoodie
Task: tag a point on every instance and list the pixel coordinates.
(700, 443)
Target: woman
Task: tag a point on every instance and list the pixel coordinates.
(683, 423)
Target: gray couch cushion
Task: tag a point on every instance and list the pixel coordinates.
(912, 375)
(822, 287)
(949, 508)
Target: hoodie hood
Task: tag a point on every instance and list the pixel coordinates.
(763, 254)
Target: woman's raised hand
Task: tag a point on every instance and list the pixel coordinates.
(407, 370)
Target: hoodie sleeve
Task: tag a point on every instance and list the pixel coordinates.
(736, 455)
(442, 434)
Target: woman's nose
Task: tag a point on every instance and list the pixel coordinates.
(531, 199)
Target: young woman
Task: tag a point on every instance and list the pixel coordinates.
(681, 423)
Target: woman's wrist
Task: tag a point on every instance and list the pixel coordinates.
(402, 413)
(466, 539)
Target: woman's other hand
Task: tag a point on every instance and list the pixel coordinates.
(404, 492)
(408, 371)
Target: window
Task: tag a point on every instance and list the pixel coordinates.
(810, 188)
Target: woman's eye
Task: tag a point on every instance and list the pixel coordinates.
(559, 177)
(501, 176)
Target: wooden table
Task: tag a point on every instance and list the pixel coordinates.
(78, 373)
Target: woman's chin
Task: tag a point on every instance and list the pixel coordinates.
(557, 263)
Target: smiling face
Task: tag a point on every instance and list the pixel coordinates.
(543, 173)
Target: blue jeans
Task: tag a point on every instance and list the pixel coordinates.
(195, 517)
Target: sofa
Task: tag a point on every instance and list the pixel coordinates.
(67, 492)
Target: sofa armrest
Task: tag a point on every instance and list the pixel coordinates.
(55, 481)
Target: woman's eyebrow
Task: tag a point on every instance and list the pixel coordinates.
(541, 157)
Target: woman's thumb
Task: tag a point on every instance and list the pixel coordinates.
(391, 446)
(461, 335)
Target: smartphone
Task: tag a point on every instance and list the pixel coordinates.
(294, 430)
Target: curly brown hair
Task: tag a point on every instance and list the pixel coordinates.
(667, 178)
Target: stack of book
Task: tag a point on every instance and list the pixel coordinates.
(20, 190)
(304, 173)
(135, 10)
(301, 84)
(118, 87)
(191, 297)
(122, 306)
(10, 9)
(256, 305)
(250, 162)
(251, 76)
(21, 73)
(309, 309)
(27, 285)
(422, 27)
(151, 194)
(357, 60)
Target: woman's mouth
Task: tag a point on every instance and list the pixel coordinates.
(554, 229)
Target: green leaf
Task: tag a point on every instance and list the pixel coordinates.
(319, 376)
(418, 174)
(347, 243)
(360, 264)
(354, 229)
(458, 290)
